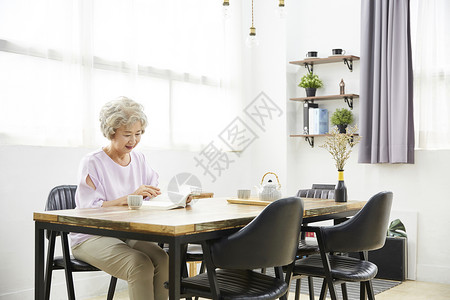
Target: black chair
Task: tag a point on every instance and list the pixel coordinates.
(305, 248)
(63, 197)
(365, 231)
(270, 240)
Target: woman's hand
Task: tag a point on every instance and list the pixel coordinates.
(118, 202)
(144, 190)
(147, 191)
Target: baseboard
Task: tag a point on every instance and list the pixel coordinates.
(86, 285)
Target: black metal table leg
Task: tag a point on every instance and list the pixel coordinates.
(174, 269)
(38, 262)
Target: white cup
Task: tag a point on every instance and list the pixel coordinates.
(134, 201)
(243, 194)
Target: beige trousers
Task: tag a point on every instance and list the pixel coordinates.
(144, 265)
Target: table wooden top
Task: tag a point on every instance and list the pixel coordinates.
(205, 215)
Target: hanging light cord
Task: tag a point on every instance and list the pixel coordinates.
(252, 14)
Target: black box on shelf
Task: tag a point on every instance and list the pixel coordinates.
(306, 107)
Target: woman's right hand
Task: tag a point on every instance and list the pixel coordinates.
(144, 190)
(147, 191)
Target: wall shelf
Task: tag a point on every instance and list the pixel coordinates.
(310, 137)
(348, 98)
(310, 62)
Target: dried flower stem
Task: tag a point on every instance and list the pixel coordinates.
(339, 145)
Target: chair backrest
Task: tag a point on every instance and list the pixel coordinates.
(320, 191)
(61, 197)
(365, 231)
(270, 240)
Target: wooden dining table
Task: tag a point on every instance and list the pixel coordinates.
(206, 219)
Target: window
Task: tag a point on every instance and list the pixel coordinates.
(62, 60)
(430, 26)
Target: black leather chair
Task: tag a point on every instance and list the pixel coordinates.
(305, 248)
(270, 240)
(63, 197)
(365, 231)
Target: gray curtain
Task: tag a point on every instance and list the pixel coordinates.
(386, 100)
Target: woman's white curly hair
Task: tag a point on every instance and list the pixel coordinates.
(120, 112)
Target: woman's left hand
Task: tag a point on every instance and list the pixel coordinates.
(147, 191)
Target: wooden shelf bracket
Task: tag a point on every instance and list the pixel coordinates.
(349, 64)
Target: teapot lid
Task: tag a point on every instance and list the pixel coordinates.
(270, 184)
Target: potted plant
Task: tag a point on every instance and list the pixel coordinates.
(310, 82)
(341, 118)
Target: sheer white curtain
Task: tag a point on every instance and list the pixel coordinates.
(60, 61)
(431, 49)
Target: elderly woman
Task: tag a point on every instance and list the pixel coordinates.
(107, 176)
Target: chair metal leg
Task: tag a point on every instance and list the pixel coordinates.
(49, 266)
(202, 270)
(67, 266)
(362, 291)
(323, 290)
(344, 291)
(297, 289)
(184, 270)
(279, 275)
(369, 288)
(311, 288)
(211, 271)
(331, 288)
(112, 288)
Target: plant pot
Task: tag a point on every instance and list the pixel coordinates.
(340, 193)
(310, 92)
(342, 128)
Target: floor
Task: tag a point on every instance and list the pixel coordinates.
(408, 290)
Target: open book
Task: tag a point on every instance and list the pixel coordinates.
(171, 199)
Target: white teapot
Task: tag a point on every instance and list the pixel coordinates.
(269, 191)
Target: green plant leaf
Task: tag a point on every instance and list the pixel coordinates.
(310, 80)
(397, 228)
(342, 116)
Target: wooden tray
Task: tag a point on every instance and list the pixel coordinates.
(250, 201)
(203, 195)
